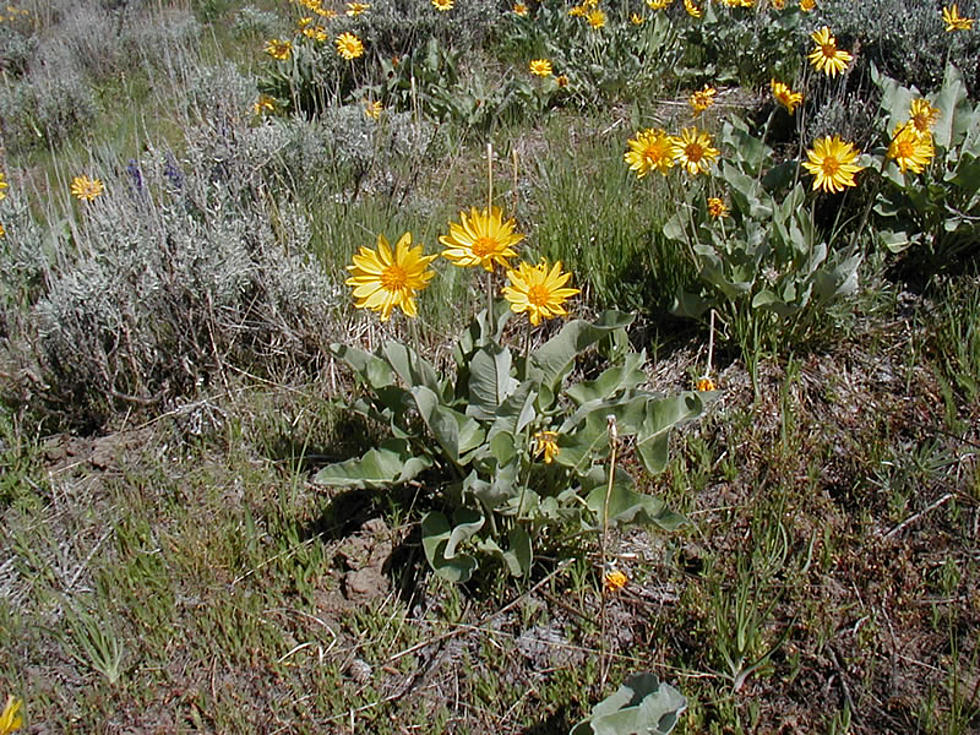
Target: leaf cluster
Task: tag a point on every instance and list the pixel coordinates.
(475, 435)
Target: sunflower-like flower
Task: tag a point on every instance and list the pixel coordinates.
(922, 115)
(702, 99)
(778, 4)
(85, 189)
(538, 290)
(832, 162)
(540, 67)
(355, 9)
(826, 57)
(785, 96)
(658, 4)
(383, 280)
(808, 6)
(637, 19)
(577, 11)
(10, 718)
(520, 9)
(650, 149)
(3, 186)
(278, 49)
(263, 104)
(481, 239)
(692, 10)
(954, 21)
(562, 80)
(911, 149)
(546, 445)
(717, 208)
(614, 580)
(317, 33)
(596, 18)
(443, 6)
(704, 384)
(349, 46)
(693, 151)
(372, 109)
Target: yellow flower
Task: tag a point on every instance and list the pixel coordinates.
(481, 239)
(704, 384)
(373, 109)
(561, 80)
(520, 9)
(717, 208)
(264, 104)
(303, 22)
(807, 6)
(278, 49)
(541, 67)
(84, 188)
(11, 720)
(954, 21)
(785, 96)
(355, 9)
(692, 150)
(658, 4)
(3, 186)
(577, 11)
(349, 46)
(327, 13)
(778, 4)
(546, 443)
(832, 163)
(614, 580)
(383, 280)
(596, 18)
(650, 149)
(922, 115)
(538, 291)
(826, 57)
(442, 5)
(317, 33)
(693, 10)
(702, 99)
(3, 232)
(637, 19)
(911, 149)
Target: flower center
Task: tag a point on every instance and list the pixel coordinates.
(694, 152)
(538, 295)
(394, 278)
(906, 149)
(653, 153)
(921, 123)
(830, 166)
(829, 50)
(484, 246)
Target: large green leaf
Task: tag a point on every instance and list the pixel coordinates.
(618, 378)
(550, 362)
(661, 415)
(490, 381)
(370, 368)
(392, 463)
(456, 433)
(643, 705)
(411, 367)
(435, 535)
(625, 504)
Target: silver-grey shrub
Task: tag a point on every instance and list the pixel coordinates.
(906, 39)
(186, 270)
